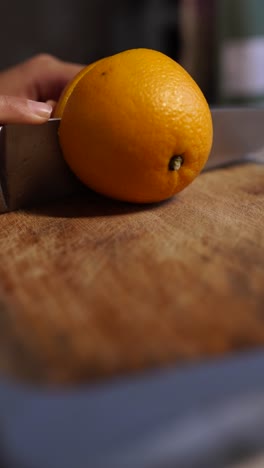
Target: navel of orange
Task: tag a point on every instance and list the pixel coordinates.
(135, 126)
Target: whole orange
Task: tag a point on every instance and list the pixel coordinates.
(135, 126)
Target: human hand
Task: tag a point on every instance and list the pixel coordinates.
(29, 90)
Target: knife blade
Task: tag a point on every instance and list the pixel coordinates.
(33, 170)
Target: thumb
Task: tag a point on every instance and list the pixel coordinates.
(20, 110)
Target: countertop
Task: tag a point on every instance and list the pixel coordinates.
(92, 288)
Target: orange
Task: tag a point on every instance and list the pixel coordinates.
(69, 88)
(135, 126)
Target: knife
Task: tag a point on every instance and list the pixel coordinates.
(33, 170)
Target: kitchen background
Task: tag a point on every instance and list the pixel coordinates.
(220, 42)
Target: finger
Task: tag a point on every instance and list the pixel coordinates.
(53, 105)
(20, 110)
(51, 102)
(50, 76)
(40, 78)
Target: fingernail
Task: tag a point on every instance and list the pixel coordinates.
(41, 109)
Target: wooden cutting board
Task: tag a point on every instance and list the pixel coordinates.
(92, 288)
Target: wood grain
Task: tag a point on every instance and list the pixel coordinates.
(92, 288)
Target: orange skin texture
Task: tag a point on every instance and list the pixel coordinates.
(125, 117)
(69, 88)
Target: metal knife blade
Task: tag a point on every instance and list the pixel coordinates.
(32, 168)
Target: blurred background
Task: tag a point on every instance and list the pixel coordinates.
(220, 42)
